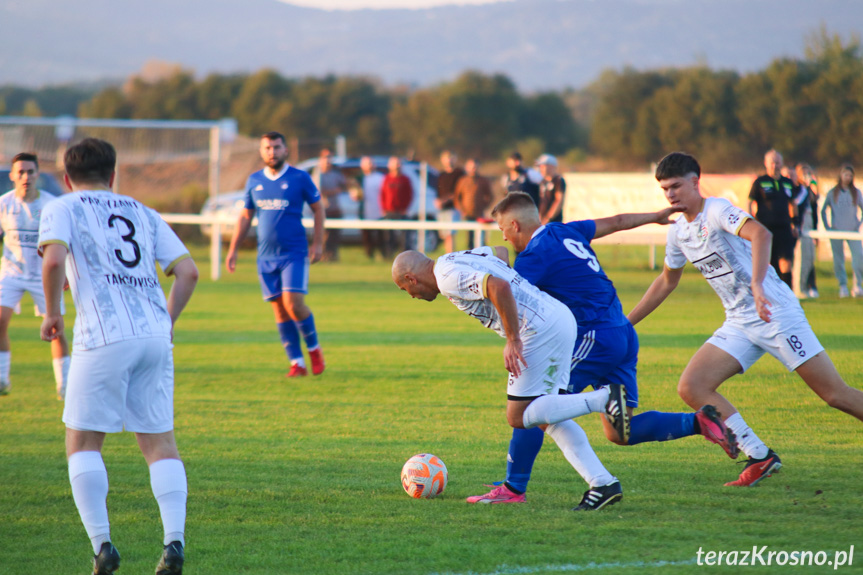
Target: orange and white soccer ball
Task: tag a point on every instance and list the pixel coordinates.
(424, 476)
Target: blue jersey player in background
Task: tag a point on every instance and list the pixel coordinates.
(557, 258)
(276, 195)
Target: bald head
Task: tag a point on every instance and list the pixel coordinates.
(413, 272)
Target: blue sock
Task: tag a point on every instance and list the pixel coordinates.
(659, 426)
(290, 339)
(307, 328)
(523, 449)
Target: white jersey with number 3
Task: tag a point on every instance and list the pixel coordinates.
(462, 278)
(114, 242)
(711, 243)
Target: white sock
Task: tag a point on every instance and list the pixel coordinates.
(5, 364)
(300, 361)
(168, 480)
(61, 373)
(749, 443)
(89, 480)
(554, 408)
(572, 440)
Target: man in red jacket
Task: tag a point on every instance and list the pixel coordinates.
(396, 196)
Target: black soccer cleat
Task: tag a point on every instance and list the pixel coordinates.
(172, 559)
(616, 412)
(596, 498)
(107, 561)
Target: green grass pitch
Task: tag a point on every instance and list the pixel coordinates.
(302, 476)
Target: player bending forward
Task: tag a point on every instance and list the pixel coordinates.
(557, 259)
(540, 334)
(21, 270)
(122, 372)
(732, 251)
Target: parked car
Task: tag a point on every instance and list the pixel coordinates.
(230, 204)
(46, 182)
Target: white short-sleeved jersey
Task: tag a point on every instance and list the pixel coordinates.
(462, 278)
(711, 243)
(114, 243)
(19, 224)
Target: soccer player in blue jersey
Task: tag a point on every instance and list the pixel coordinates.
(557, 258)
(276, 196)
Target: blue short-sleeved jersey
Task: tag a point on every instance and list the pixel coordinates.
(559, 260)
(278, 203)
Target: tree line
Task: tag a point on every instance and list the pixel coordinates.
(810, 108)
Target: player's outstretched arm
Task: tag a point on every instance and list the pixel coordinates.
(660, 289)
(244, 224)
(317, 250)
(620, 222)
(501, 297)
(53, 279)
(185, 274)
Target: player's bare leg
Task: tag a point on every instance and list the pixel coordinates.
(821, 376)
(709, 368)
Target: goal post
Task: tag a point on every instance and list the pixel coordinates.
(157, 160)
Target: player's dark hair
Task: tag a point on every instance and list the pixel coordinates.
(677, 165)
(90, 161)
(25, 157)
(513, 200)
(275, 136)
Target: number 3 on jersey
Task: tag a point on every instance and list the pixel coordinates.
(128, 238)
(578, 250)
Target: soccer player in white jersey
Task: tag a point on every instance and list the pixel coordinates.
(732, 251)
(20, 269)
(122, 373)
(540, 334)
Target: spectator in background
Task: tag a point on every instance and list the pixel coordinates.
(520, 179)
(370, 205)
(844, 202)
(447, 180)
(807, 214)
(396, 196)
(552, 189)
(332, 184)
(770, 202)
(472, 197)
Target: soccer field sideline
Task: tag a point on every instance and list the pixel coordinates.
(307, 472)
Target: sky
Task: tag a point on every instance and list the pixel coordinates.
(363, 4)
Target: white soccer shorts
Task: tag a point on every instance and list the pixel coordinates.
(548, 354)
(124, 385)
(788, 337)
(12, 290)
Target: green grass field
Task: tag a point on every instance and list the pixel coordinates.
(302, 476)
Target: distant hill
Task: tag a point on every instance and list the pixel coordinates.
(540, 44)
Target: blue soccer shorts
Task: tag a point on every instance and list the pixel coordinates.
(603, 356)
(284, 275)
